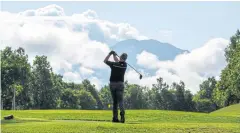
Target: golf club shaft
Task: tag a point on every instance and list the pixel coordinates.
(130, 66)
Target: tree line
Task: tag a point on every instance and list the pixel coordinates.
(36, 86)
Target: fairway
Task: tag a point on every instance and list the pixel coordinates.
(77, 121)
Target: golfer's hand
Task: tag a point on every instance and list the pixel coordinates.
(112, 52)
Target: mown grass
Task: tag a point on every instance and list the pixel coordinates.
(85, 127)
(233, 110)
(76, 121)
(131, 115)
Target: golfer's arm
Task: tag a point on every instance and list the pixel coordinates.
(107, 58)
(115, 58)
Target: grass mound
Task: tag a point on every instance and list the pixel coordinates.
(232, 110)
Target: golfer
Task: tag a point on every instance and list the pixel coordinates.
(118, 69)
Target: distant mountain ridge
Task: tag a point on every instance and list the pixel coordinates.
(164, 51)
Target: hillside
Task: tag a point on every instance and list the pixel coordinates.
(164, 51)
(232, 110)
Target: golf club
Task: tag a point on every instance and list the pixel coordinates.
(140, 75)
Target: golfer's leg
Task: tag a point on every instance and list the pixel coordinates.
(115, 102)
(120, 92)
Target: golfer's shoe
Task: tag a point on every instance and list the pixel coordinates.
(115, 120)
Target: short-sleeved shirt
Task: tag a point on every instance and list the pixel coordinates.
(118, 70)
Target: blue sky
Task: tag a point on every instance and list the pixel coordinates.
(191, 24)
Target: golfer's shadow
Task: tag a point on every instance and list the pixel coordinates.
(130, 123)
(133, 123)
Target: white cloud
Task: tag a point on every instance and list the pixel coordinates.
(133, 77)
(85, 71)
(72, 77)
(90, 14)
(83, 39)
(66, 40)
(192, 68)
(67, 37)
(98, 83)
(50, 10)
(147, 59)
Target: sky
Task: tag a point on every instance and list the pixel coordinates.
(76, 36)
(186, 25)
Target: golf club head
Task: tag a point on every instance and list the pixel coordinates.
(140, 76)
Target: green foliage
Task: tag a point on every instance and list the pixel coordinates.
(135, 98)
(87, 101)
(227, 90)
(106, 97)
(44, 93)
(204, 98)
(205, 105)
(15, 72)
(91, 88)
(70, 99)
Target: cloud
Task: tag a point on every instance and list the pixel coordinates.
(147, 59)
(192, 68)
(147, 80)
(72, 77)
(97, 82)
(85, 71)
(90, 14)
(50, 10)
(83, 39)
(67, 40)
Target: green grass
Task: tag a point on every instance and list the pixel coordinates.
(76, 121)
(233, 110)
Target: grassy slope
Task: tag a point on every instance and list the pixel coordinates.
(55, 121)
(233, 110)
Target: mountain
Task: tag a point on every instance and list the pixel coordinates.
(164, 51)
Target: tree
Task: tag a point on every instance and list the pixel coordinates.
(135, 98)
(70, 99)
(44, 93)
(168, 99)
(150, 99)
(15, 72)
(227, 90)
(91, 88)
(158, 101)
(207, 87)
(204, 98)
(105, 96)
(204, 105)
(179, 93)
(59, 88)
(87, 101)
(190, 106)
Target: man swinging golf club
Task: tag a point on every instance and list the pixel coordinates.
(118, 69)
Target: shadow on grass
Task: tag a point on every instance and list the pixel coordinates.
(89, 120)
(15, 121)
(82, 120)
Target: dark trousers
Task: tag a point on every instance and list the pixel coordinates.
(117, 90)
